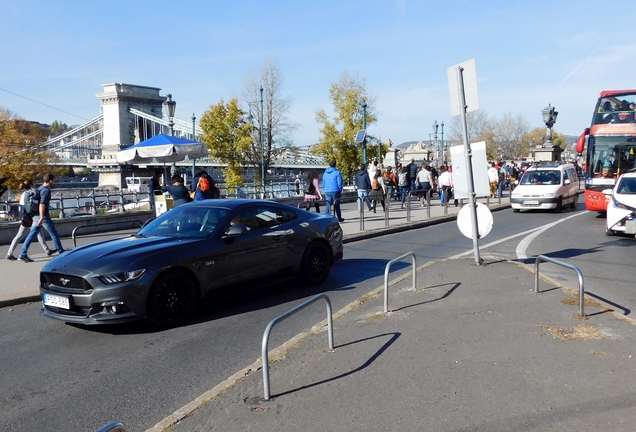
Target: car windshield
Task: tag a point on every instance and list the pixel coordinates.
(627, 186)
(541, 177)
(185, 222)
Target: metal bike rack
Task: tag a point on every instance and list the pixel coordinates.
(386, 276)
(113, 427)
(284, 316)
(134, 222)
(564, 264)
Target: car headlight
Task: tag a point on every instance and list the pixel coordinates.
(114, 278)
(547, 195)
(516, 195)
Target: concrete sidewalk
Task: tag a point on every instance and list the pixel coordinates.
(470, 349)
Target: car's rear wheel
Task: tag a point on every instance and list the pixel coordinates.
(172, 299)
(316, 263)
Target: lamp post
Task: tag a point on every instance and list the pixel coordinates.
(364, 127)
(171, 106)
(549, 118)
(435, 127)
(443, 149)
(194, 138)
(262, 148)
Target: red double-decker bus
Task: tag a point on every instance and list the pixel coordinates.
(611, 145)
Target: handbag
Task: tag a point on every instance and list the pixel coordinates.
(27, 221)
(194, 192)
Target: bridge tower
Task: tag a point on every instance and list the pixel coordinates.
(120, 129)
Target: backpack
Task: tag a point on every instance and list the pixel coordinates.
(502, 174)
(375, 185)
(403, 179)
(387, 181)
(310, 189)
(31, 201)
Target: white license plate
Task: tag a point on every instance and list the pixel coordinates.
(531, 202)
(57, 301)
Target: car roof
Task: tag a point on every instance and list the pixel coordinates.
(550, 166)
(231, 203)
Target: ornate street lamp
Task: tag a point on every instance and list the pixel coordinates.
(262, 148)
(364, 128)
(549, 118)
(171, 106)
(435, 127)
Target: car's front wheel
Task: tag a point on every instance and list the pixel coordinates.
(559, 205)
(316, 263)
(172, 299)
(609, 232)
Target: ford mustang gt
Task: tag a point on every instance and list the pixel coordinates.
(197, 251)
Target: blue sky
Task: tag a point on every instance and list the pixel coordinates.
(527, 54)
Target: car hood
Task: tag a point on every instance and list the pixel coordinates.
(119, 254)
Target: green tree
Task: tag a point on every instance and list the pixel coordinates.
(21, 158)
(337, 134)
(58, 128)
(228, 136)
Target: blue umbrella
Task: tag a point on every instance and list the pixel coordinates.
(162, 148)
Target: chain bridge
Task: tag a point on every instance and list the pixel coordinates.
(130, 114)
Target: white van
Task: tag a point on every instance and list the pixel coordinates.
(546, 187)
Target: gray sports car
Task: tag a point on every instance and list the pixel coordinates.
(196, 251)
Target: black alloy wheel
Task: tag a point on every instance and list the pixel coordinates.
(172, 299)
(316, 263)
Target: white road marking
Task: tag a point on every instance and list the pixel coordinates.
(523, 245)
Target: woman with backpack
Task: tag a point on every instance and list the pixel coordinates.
(312, 192)
(378, 191)
(25, 225)
(390, 182)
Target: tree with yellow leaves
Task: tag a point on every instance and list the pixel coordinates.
(21, 158)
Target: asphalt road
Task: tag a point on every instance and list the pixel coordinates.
(77, 379)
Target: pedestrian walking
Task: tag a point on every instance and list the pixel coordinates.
(332, 187)
(312, 193)
(390, 181)
(179, 193)
(426, 182)
(493, 179)
(378, 190)
(153, 186)
(403, 184)
(445, 181)
(412, 172)
(363, 186)
(26, 221)
(42, 218)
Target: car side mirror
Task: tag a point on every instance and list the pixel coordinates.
(236, 230)
(567, 181)
(607, 191)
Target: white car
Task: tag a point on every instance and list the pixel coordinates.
(546, 187)
(621, 209)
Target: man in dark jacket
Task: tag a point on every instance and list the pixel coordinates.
(363, 185)
(412, 170)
